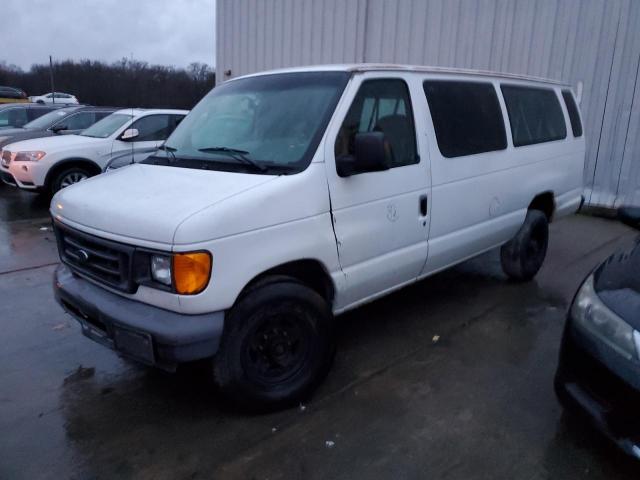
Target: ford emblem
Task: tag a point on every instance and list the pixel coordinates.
(83, 256)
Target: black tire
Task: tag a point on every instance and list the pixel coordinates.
(524, 254)
(277, 346)
(63, 178)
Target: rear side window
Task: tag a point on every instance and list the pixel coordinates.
(13, 117)
(466, 117)
(574, 116)
(79, 121)
(34, 113)
(174, 122)
(101, 115)
(153, 128)
(535, 115)
(381, 106)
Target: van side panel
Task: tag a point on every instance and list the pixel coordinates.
(480, 201)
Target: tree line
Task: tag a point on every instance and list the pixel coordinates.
(125, 83)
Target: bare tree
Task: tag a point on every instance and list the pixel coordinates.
(126, 83)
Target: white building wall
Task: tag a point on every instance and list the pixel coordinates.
(596, 42)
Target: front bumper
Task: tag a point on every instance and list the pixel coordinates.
(601, 384)
(24, 175)
(143, 332)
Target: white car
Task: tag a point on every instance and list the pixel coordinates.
(289, 197)
(54, 97)
(51, 163)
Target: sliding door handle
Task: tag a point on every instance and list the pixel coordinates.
(424, 205)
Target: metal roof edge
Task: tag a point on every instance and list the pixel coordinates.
(369, 67)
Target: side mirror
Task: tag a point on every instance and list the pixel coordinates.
(369, 156)
(59, 128)
(129, 134)
(630, 216)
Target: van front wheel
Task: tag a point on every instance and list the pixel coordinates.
(524, 254)
(277, 346)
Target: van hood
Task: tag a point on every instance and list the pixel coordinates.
(55, 144)
(147, 202)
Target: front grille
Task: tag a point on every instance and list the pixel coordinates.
(101, 260)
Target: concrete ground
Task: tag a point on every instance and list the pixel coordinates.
(477, 403)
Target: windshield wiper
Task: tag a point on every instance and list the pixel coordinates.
(236, 154)
(223, 149)
(169, 150)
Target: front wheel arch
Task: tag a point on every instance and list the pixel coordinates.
(90, 166)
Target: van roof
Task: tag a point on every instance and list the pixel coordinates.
(368, 67)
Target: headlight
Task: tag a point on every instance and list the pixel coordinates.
(187, 273)
(161, 269)
(29, 156)
(589, 313)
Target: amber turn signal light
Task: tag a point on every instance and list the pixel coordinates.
(191, 272)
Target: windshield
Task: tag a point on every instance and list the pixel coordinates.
(48, 119)
(265, 124)
(107, 126)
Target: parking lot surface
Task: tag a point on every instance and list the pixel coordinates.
(449, 378)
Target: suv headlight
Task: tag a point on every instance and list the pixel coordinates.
(29, 156)
(589, 313)
(186, 273)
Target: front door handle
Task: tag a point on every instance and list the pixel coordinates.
(424, 205)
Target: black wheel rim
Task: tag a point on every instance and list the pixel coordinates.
(277, 349)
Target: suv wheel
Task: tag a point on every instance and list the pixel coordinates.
(68, 177)
(524, 254)
(277, 345)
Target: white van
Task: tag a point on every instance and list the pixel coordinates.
(288, 197)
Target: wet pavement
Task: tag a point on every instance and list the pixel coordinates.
(448, 379)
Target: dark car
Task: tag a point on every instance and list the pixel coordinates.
(14, 115)
(599, 369)
(62, 121)
(12, 94)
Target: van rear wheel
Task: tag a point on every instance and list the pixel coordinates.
(277, 346)
(523, 255)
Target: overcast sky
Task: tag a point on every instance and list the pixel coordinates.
(166, 32)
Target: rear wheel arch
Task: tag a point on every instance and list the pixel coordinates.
(546, 203)
(523, 255)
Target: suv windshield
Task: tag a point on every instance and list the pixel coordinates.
(263, 124)
(107, 126)
(48, 119)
